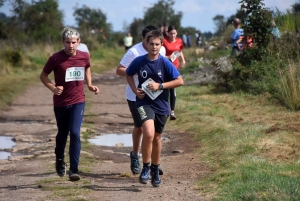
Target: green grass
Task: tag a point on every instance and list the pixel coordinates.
(62, 188)
(245, 162)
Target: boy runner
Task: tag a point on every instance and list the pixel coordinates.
(156, 75)
(137, 50)
(70, 67)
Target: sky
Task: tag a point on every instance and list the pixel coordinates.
(196, 13)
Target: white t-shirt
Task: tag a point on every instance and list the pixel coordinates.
(131, 54)
(128, 41)
(82, 47)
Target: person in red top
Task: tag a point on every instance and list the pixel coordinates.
(70, 67)
(174, 47)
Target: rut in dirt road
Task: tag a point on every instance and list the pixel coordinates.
(30, 121)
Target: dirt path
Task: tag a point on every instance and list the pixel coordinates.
(30, 121)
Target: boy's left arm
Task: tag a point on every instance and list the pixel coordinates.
(88, 78)
(174, 83)
(153, 86)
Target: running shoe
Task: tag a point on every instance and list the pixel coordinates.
(135, 164)
(172, 116)
(155, 180)
(74, 175)
(144, 176)
(60, 167)
(160, 170)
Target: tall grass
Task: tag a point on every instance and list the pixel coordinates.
(289, 86)
(288, 21)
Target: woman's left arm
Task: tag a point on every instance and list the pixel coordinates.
(182, 60)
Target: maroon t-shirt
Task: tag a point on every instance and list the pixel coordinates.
(74, 90)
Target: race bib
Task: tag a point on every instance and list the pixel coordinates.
(175, 55)
(152, 94)
(74, 74)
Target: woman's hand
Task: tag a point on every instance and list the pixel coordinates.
(182, 65)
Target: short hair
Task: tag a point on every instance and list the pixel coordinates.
(147, 29)
(70, 33)
(155, 34)
(236, 21)
(171, 28)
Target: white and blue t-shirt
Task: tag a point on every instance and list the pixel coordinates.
(160, 70)
(131, 54)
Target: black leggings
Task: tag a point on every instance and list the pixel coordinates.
(172, 98)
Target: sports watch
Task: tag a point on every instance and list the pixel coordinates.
(161, 86)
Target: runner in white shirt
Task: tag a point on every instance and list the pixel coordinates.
(137, 50)
(82, 47)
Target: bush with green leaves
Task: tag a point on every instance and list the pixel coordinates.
(257, 25)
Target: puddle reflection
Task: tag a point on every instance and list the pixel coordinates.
(4, 155)
(112, 140)
(6, 142)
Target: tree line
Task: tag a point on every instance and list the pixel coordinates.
(42, 20)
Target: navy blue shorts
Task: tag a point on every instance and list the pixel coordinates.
(146, 113)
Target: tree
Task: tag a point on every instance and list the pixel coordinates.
(220, 23)
(257, 24)
(162, 12)
(239, 14)
(136, 28)
(39, 20)
(43, 20)
(1, 2)
(87, 18)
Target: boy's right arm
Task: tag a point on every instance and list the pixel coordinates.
(121, 70)
(47, 82)
(124, 63)
(137, 91)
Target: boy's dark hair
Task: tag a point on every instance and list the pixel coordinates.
(147, 29)
(155, 34)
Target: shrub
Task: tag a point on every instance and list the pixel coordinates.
(14, 57)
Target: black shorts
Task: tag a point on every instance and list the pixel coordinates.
(146, 113)
(134, 113)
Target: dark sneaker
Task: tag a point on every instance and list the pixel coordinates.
(74, 175)
(172, 116)
(155, 180)
(160, 170)
(60, 167)
(144, 176)
(135, 164)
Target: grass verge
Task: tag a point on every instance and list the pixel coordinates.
(249, 142)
